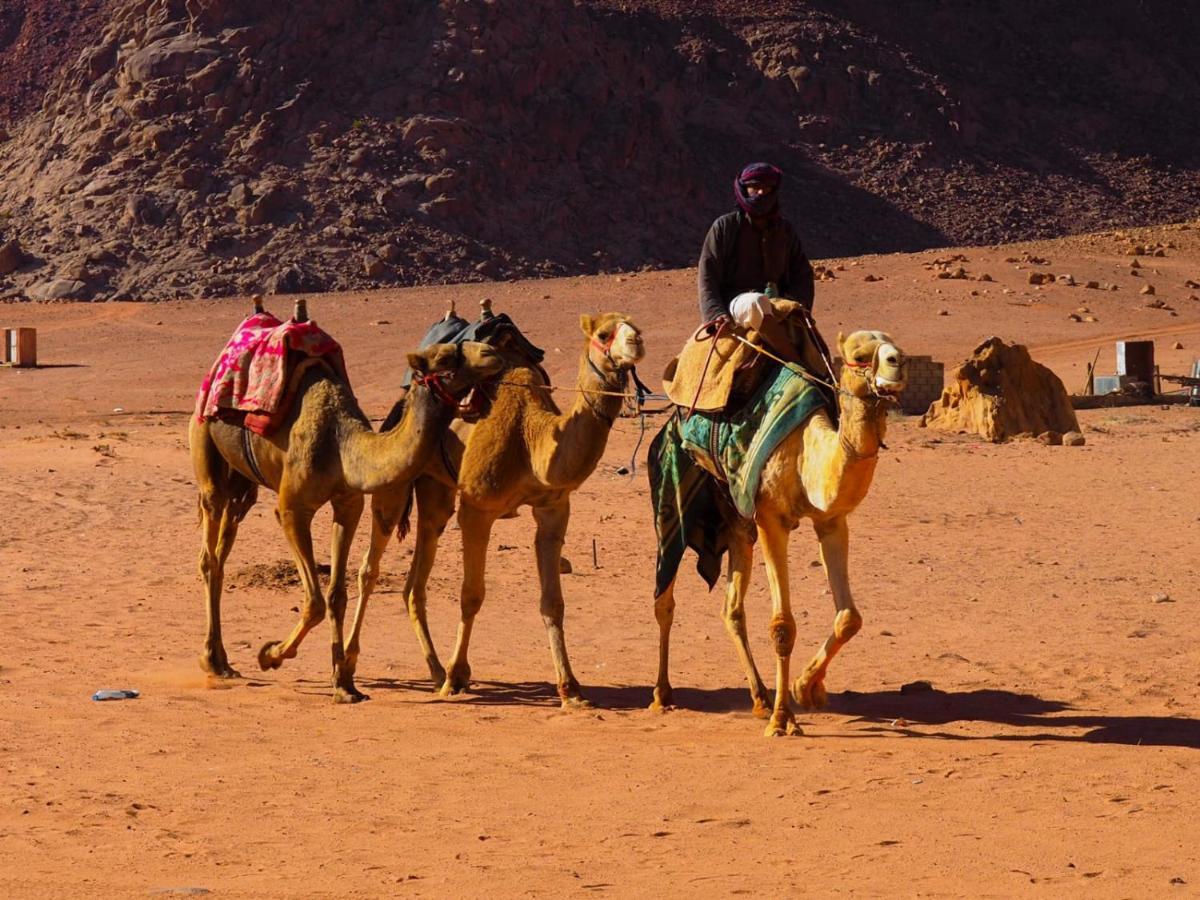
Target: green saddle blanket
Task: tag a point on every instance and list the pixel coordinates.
(736, 445)
(708, 466)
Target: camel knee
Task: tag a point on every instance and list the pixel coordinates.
(208, 564)
(735, 621)
(471, 604)
(783, 634)
(846, 624)
(553, 610)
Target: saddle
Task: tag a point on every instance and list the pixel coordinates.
(256, 377)
(714, 368)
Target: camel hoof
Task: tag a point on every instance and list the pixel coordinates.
(661, 707)
(786, 728)
(454, 685)
(576, 703)
(438, 677)
(762, 709)
(218, 669)
(267, 658)
(811, 694)
(349, 695)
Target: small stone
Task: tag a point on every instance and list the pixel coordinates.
(1073, 439)
(1135, 265)
(564, 566)
(1113, 287)
(1148, 289)
(1075, 317)
(1090, 319)
(1093, 285)
(1177, 346)
(622, 470)
(1068, 280)
(943, 312)
(1162, 598)
(1160, 252)
(1051, 438)
(870, 278)
(985, 277)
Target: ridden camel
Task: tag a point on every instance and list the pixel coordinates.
(524, 452)
(324, 452)
(821, 473)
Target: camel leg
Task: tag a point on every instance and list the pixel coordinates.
(385, 513)
(551, 531)
(664, 612)
(435, 506)
(347, 510)
(225, 498)
(476, 527)
(774, 535)
(809, 689)
(296, 522)
(741, 563)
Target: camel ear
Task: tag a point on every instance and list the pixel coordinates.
(841, 344)
(587, 324)
(418, 362)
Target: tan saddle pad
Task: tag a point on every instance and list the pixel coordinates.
(703, 374)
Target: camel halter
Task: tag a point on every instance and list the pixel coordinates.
(621, 389)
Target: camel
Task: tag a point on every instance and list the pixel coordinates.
(524, 452)
(822, 473)
(324, 452)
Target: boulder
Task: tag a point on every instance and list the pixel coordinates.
(59, 289)
(11, 256)
(171, 57)
(1001, 392)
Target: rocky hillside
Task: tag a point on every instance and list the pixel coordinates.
(208, 147)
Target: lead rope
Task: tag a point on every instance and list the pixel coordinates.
(704, 334)
(641, 392)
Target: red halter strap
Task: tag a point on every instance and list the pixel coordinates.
(433, 381)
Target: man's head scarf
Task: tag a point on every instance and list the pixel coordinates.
(765, 205)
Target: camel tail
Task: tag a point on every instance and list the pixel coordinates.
(403, 527)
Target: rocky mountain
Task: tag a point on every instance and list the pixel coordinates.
(163, 148)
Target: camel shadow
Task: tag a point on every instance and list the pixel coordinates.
(543, 693)
(1045, 718)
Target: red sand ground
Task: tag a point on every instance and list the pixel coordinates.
(1056, 756)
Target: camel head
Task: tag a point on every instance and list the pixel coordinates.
(874, 365)
(614, 343)
(453, 371)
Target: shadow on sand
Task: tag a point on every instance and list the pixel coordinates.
(1047, 720)
(1025, 717)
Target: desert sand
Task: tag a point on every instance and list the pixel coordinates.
(1048, 595)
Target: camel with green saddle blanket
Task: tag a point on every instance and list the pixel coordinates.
(720, 480)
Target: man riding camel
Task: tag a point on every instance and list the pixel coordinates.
(752, 254)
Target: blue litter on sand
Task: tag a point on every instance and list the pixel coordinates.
(116, 695)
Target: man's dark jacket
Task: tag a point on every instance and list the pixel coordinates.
(738, 256)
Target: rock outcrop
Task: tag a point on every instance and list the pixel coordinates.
(999, 393)
(212, 147)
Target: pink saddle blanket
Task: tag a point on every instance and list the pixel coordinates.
(254, 377)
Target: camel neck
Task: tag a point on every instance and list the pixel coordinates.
(581, 433)
(374, 462)
(861, 427)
